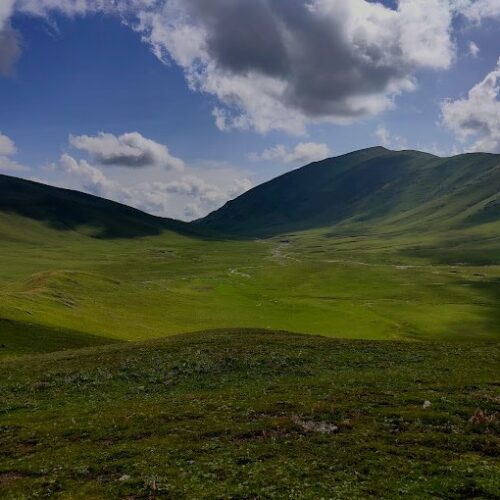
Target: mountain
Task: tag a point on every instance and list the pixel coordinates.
(65, 210)
(367, 191)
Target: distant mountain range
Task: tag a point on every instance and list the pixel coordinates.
(365, 191)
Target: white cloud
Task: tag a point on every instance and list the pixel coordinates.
(383, 136)
(6, 9)
(178, 193)
(127, 150)
(90, 178)
(7, 149)
(10, 40)
(477, 10)
(388, 140)
(208, 196)
(477, 116)
(322, 60)
(304, 152)
(10, 166)
(313, 61)
(473, 49)
(7, 146)
(80, 175)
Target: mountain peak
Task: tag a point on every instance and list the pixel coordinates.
(365, 189)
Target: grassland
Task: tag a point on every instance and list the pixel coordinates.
(253, 414)
(375, 244)
(346, 286)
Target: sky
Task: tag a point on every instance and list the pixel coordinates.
(177, 106)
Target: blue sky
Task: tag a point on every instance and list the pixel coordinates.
(111, 100)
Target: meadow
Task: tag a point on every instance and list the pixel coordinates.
(310, 282)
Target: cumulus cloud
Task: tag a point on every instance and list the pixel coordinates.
(7, 146)
(294, 62)
(388, 140)
(304, 152)
(91, 178)
(275, 64)
(477, 116)
(473, 49)
(184, 196)
(208, 196)
(127, 150)
(8, 165)
(477, 10)
(81, 175)
(7, 149)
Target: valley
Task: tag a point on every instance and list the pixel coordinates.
(143, 357)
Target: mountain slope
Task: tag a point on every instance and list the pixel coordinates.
(63, 209)
(369, 189)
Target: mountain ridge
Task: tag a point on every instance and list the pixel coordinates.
(366, 190)
(372, 187)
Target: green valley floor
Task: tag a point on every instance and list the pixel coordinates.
(73, 288)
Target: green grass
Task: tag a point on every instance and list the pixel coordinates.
(372, 287)
(252, 414)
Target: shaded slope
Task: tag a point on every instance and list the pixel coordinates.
(18, 338)
(369, 188)
(63, 209)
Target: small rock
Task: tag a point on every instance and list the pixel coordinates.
(426, 405)
(125, 477)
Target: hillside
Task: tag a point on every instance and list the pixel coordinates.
(65, 210)
(370, 191)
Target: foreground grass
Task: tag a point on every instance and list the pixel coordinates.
(252, 414)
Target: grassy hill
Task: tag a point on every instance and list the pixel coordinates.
(67, 210)
(253, 414)
(370, 191)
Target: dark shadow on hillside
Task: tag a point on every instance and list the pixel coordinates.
(67, 210)
(19, 338)
(460, 252)
(454, 254)
(490, 321)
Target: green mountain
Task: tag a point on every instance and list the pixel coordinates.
(66, 210)
(370, 191)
